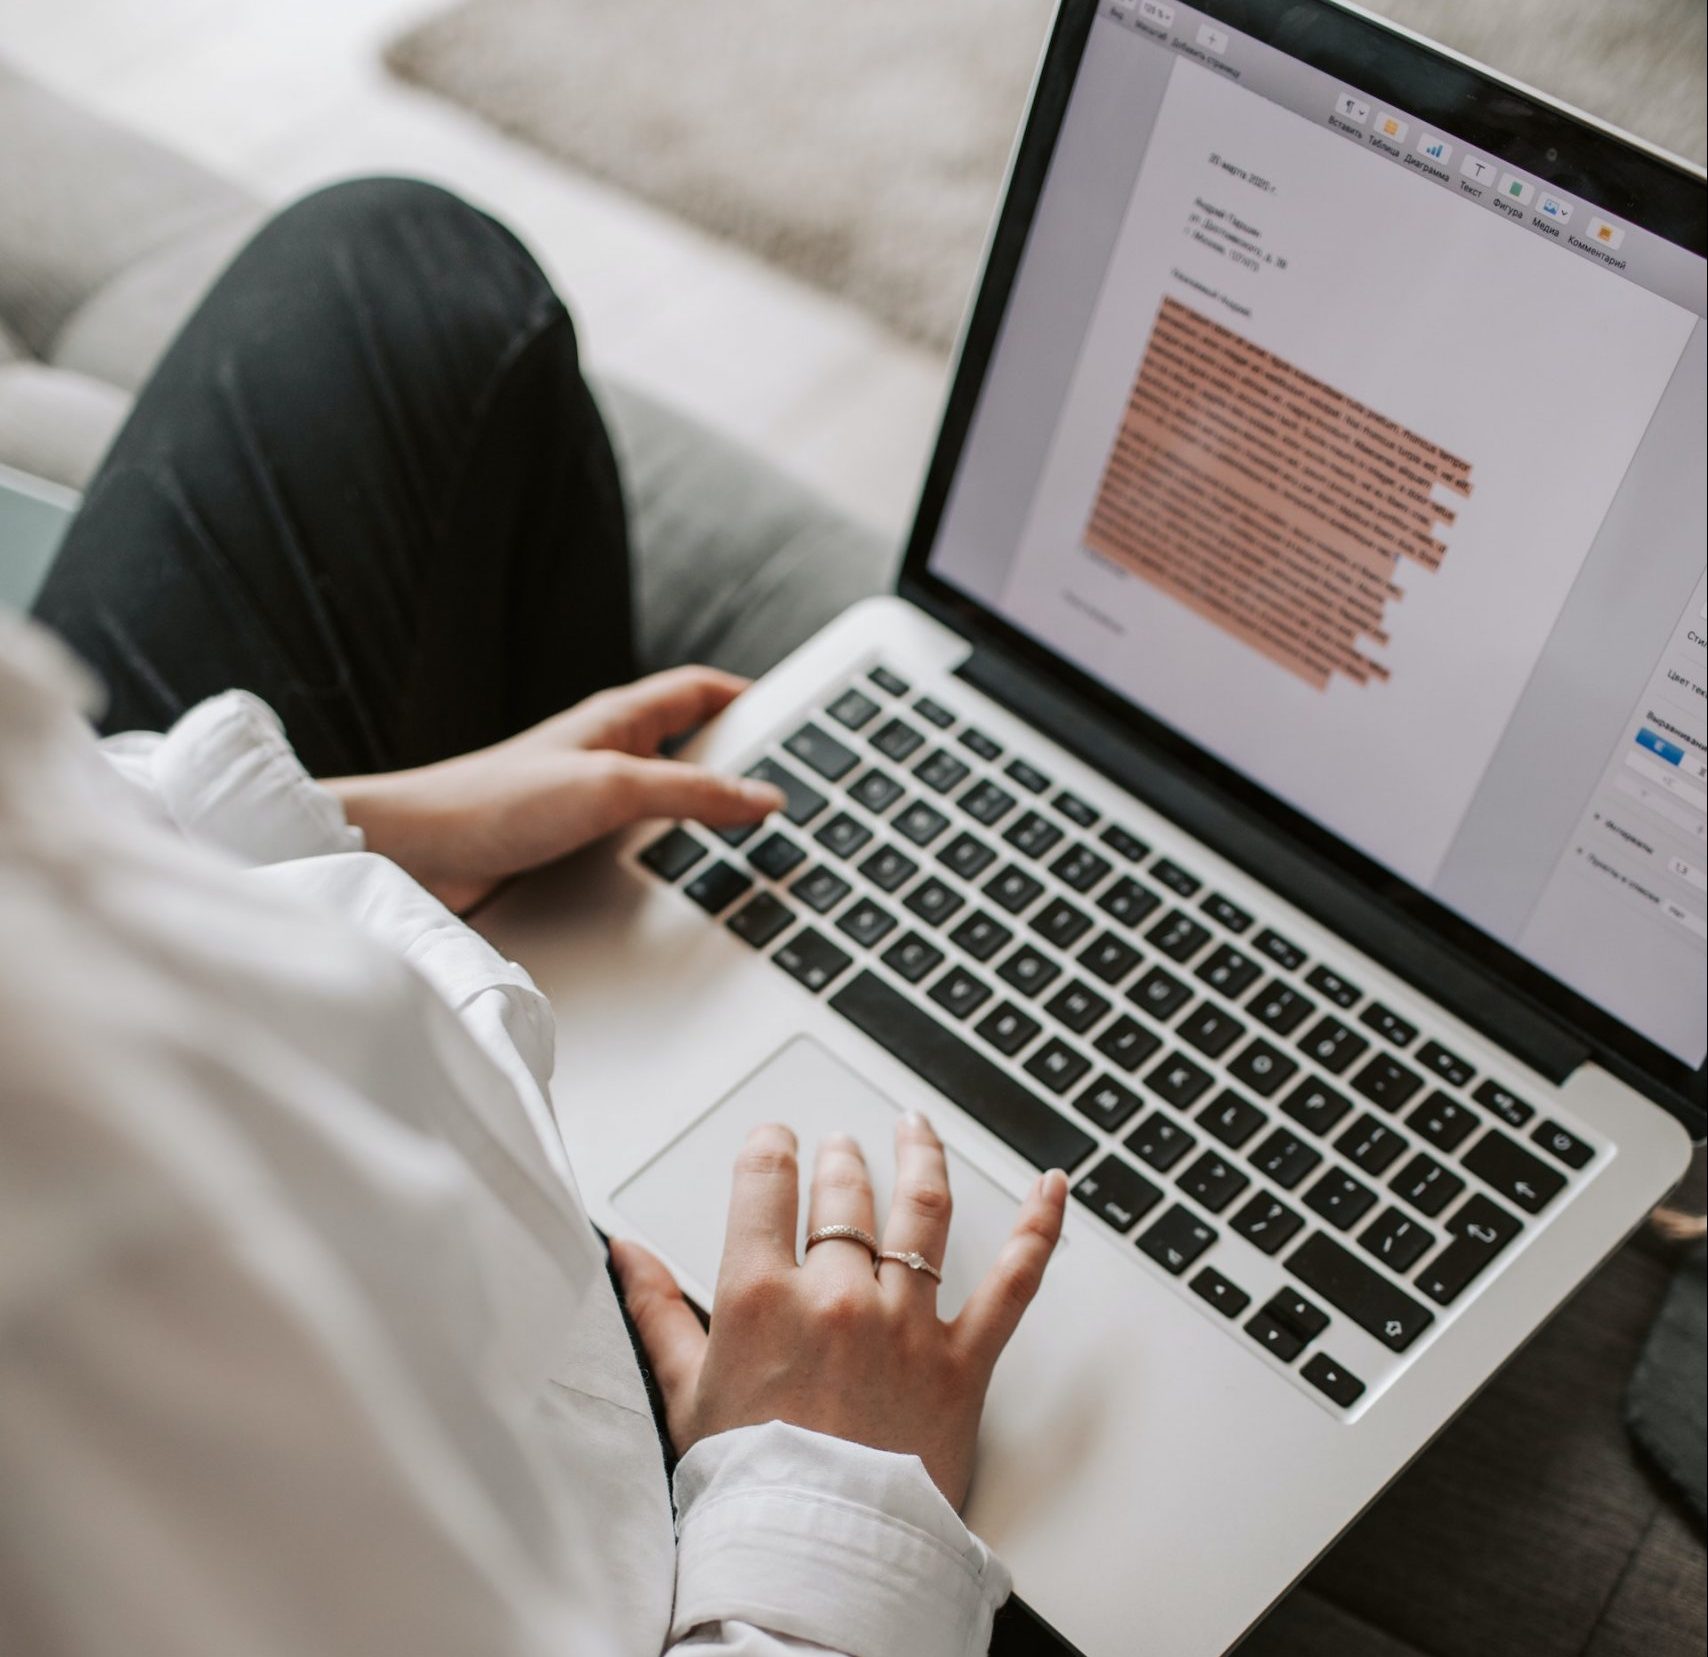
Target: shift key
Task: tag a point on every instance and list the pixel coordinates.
(1370, 1300)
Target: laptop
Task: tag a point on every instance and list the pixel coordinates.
(1274, 794)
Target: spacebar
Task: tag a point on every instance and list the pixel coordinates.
(964, 1077)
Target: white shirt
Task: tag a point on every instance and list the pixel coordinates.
(306, 1343)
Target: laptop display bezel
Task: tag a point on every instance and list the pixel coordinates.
(1643, 187)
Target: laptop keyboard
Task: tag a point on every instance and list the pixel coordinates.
(1103, 1009)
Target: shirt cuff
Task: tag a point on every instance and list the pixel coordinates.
(226, 776)
(822, 1540)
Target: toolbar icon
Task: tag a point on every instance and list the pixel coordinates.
(1349, 108)
(1437, 149)
(1478, 170)
(1551, 207)
(1513, 188)
(1605, 234)
(1391, 126)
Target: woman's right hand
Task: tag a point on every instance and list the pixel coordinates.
(826, 1343)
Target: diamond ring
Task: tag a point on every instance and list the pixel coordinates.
(911, 1258)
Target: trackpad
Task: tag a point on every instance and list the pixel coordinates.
(679, 1202)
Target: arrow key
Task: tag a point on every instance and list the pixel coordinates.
(1333, 1380)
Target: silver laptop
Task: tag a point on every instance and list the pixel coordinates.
(1275, 794)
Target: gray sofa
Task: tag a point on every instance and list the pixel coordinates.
(1530, 1529)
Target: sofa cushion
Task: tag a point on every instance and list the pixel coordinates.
(56, 424)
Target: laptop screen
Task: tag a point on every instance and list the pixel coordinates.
(1371, 462)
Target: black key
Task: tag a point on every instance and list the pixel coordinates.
(1008, 1029)
(1334, 1381)
(811, 959)
(896, 739)
(1028, 776)
(1281, 1007)
(800, 803)
(1448, 1065)
(673, 854)
(1037, 1131)
(1332, 1045)
(1227, 970)
(1057, 1066)
(1363, 1294)
(1386, 1082)
(1396, 1240)
(1160, 993)
(1275, 1337)
(1107, 959)
(1072, 807)
(1264, 1069)
(984, 802)
(717, 887)
(1107, 1103)
(959, 992)
(1511, 1170)
(912, 957)
(1231, 1119)
(1372, 1145)
(1178, 936)
(1280, 950)
(1388, 1024)
(1177, 1239)
(1266, 1223)
(876, 790)
(1226, 911)
(1209, 1029)
(821, 889)
(1012, 888)
(932, 901)
(888, 868)
(1341, 1200)
(967, 855)
(1178, 1081)
(1556, 1141)
(1341, 991)
(981, 935)
(933, 713)
(1117, 1193)
(941, 771)
(1077, 1005)
(776, 855)
(1175, 878)
(737, 834)
(885, 680)
(1127, 1044)
(1128, 901)
(1028, 971)
(1213, 1181)
(1426, 1185)
(819, 751)
(1160, 1141)
(1059, 923)
(1316, 1104)
(1080, 867)
(1123, 843)
(1285, 1158)
(853, 708)
(867, 922)
(843, 835)
(978, 743)
(1034, 835)
(1506, 1104)
(1291, 1308)
(1443, 1121)
(920, 823)
(1227, 1297)
(1479, 1231)
(761, 920)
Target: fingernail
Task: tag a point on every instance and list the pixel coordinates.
(918, 1119)
(842, 1141)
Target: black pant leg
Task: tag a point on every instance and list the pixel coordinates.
(368, 483)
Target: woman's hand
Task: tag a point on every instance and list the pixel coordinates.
(827, 1344)
(463, 825)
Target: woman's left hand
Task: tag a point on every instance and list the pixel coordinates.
(465, 824)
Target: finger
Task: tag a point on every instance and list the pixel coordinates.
(667, 788)
(841, 1195)
(994, 1308)
(674, 1341)
(638, 718)
(764, 1205)
(919, 1210)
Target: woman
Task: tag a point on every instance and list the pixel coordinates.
(306, 1344)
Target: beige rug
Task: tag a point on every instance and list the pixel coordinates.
(860, 143)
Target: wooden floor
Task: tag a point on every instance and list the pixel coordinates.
(286, 94)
